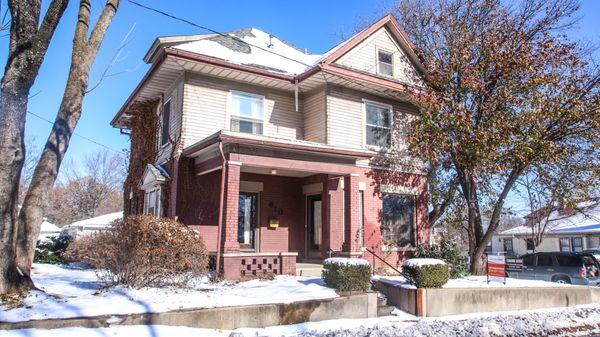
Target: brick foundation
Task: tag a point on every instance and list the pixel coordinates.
(240, 265)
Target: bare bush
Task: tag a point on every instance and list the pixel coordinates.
(143, 251)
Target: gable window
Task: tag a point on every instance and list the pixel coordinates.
(378, 125)
(165, 123)
(246, 113)
(152, 205)
(385, 63)
(398, 220)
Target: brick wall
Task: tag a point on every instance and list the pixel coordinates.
(280, 199)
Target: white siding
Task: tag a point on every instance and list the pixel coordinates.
(345, 118)
(363, 57)
(315, 117)
(205, 107)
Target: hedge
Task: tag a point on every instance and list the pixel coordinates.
(426, 275)
(347, 274)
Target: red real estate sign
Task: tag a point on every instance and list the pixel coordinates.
(496, 268)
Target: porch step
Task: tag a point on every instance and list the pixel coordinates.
(383, 309)
(309, 269)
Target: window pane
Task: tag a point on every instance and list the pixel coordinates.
(240, 125)
(569, 261)
(565, 245)
(544, 260)
(377, 115)
(398, 220)
(246, 106)
(528, 260)
(385, 63)
(378, 136)
(166, 117)
(508, 245)
(385, 57)
(577, 244)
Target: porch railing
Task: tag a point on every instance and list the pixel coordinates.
(374, 255)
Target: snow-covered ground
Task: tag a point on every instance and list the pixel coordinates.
(547, 322)
(77, 292)
(479, 282)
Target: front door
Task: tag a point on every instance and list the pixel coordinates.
(314, 226)
(247, 220)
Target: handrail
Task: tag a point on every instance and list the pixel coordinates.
(382, 260)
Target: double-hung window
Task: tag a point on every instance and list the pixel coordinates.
(152, 203)
(565, 244)
(246, 113)
(398, 220)
(507, 244)
(385, 63)
(165, 123)
(378, 125)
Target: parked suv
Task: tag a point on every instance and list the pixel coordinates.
(560, 267)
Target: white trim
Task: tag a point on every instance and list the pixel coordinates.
(228, 113)
(387, 51)
(364, 123)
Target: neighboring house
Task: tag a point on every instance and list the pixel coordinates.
(48, 230)
(92, 225)
(275, 155)
(567, 231)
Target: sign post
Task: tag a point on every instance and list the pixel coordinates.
(496, 268)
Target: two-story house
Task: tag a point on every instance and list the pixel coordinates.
(274, 154)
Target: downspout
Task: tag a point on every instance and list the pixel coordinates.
(220, 226)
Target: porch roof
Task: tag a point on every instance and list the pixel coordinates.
(230, 137)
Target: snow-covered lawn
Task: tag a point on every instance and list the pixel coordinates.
(77, 292)
(479, 282)
(547, 322)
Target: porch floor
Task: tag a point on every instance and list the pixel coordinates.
(309, 269)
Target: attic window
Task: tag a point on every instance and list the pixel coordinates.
(385, 63)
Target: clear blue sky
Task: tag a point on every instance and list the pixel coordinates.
(315, 25)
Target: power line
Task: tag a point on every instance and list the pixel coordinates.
(76, 134)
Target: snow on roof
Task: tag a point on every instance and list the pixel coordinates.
(585, 220)
(48, 227)
(253, 47)
(99, 221)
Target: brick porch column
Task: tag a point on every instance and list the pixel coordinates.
(351, 214)
(229, 241)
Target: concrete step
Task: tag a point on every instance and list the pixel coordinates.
(385, 310)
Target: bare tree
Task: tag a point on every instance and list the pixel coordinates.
(29, 40)
(86, 44)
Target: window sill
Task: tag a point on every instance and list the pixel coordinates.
(385, 248)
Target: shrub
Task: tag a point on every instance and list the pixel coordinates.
(143, 251)
(448, 251)
(347, 274)
(51, 249)
(426, 273)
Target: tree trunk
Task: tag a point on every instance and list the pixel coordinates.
(46, 171)
(27, 48)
